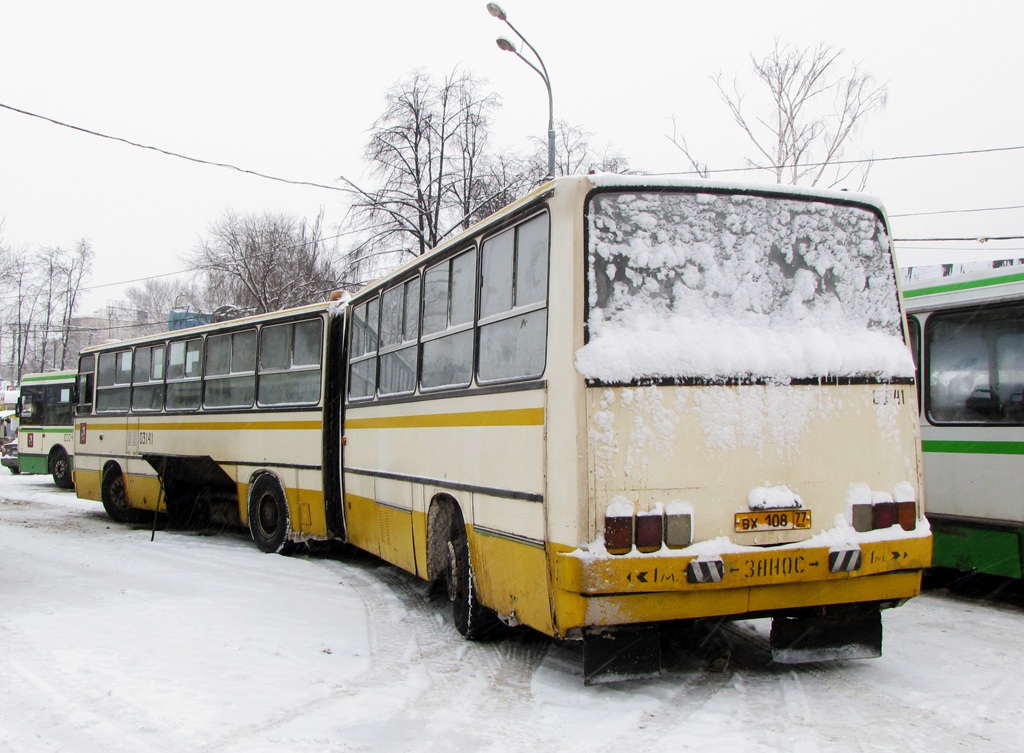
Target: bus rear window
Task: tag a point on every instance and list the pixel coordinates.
(718, 286)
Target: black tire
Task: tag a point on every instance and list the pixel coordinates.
(472, 619)
(60, 467)
(13, 470)
(269, 522)
(115, 498)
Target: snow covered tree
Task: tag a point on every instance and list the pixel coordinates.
(809, 111)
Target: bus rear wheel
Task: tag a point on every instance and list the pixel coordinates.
(60, 467)
(269, 523)
(472, 619)
(115, 499)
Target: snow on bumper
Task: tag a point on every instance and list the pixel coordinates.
(608, 590)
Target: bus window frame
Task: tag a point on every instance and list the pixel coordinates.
(936, 318)
(230, 375)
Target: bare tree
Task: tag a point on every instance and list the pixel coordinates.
(21, 315)
(261, 263)
(425, 151)
(576, 154)
(813, 110)
(153, 301)
(76, 267)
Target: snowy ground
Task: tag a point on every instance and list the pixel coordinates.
(109, 642)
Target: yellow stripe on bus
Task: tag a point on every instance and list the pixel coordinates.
(208, 426)
(519, 417)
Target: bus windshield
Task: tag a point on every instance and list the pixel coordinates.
(731, 286)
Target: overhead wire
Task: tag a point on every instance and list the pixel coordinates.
(289, 181)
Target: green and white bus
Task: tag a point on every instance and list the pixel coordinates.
(46, 425)
(967, 333)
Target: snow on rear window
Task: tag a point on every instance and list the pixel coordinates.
(736, 286)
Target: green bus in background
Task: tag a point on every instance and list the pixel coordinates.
(46, 424)
(967, 336)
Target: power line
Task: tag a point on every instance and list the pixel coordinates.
(173, 154)
(956, 211)
(978, 239)
(862, 161)
(169, 153)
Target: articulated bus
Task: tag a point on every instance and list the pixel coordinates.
(46, 424)
(616, 404)
(967, 334)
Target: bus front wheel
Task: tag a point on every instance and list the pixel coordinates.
(60, 467)
(268, 515)
(115, 500)
(472, 619)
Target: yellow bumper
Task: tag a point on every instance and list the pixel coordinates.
(638, 589)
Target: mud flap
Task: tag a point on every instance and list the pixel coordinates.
(612, 654)
(848, 631)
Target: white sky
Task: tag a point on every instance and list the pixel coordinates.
(291, 90)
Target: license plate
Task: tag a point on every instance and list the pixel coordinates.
(772, 520)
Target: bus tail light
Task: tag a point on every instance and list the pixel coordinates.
(678, 530)
(907, 514)
(649, 531)
(872, 517)
(883, 515)
(618, 532)
(625, 528)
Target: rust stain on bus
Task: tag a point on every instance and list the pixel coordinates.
(520, 417)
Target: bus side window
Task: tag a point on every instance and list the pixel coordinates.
(399, 329)
(914, 330)
(449, 299)
(513, 300)
(113, 383)
(184, 385)
(147, 379)
(290, 363)
(86, 365)
(230, 370)
(362, 351)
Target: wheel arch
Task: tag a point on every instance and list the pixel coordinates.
(443, 511)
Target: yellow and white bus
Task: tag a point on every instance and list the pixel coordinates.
(618, 403)
(233, 422)
(45, 425)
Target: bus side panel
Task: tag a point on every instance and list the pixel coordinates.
(511, 570)
(87, 484)
(978, 548)
(394, 510)
(361, 513)
(143, 490)
(311, 519)
(33, 463)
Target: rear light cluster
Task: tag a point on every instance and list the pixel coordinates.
(877, 515)
(625, 528)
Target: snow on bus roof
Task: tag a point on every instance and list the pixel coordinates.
(615, 180)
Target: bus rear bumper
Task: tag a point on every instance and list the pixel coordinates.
(630, 590)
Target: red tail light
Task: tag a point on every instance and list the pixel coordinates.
(907, 514)
(884, 515)
(618, 533)
(649, 531)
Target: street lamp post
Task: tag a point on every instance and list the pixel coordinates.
(507, 45)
